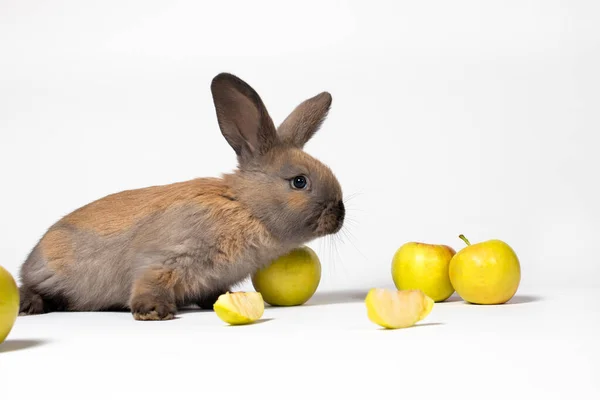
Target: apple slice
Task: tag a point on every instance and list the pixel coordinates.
(394, 309)
(239, 308)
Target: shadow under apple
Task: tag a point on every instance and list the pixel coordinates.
(523, 299)
(417, 325)
(337, 297)
(516, 299)
(257, 322)
(20, 344)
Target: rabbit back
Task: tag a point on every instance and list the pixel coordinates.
(91, 258)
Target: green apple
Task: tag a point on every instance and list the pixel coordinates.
(423, 266)
(9, 303)
(290, 280)
(485, 273)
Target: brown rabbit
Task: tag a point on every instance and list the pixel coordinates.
(155, 249)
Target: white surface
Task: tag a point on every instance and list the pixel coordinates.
(542, 346)
(448, 117)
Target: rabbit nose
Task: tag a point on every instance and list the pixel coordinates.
(341, 211)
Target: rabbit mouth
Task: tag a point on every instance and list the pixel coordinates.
(331, 219)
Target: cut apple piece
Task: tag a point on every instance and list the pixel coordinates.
(239, 308)
(394, 309)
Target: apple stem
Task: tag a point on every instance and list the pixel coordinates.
(464, 239)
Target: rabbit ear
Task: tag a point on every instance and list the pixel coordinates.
(242, 116)
(305, 120)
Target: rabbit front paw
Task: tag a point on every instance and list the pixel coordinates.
(151, 308)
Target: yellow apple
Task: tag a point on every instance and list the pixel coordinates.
(423, 266)
(9, 303)
(239, 308)
(395, 309)
(485, 273)
(290, 280)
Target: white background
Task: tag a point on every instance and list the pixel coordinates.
(447, 118)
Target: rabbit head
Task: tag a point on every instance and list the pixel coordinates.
(296, 196)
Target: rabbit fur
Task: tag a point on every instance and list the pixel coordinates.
(154, 250)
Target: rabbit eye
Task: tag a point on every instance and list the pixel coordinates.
(299, 182)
